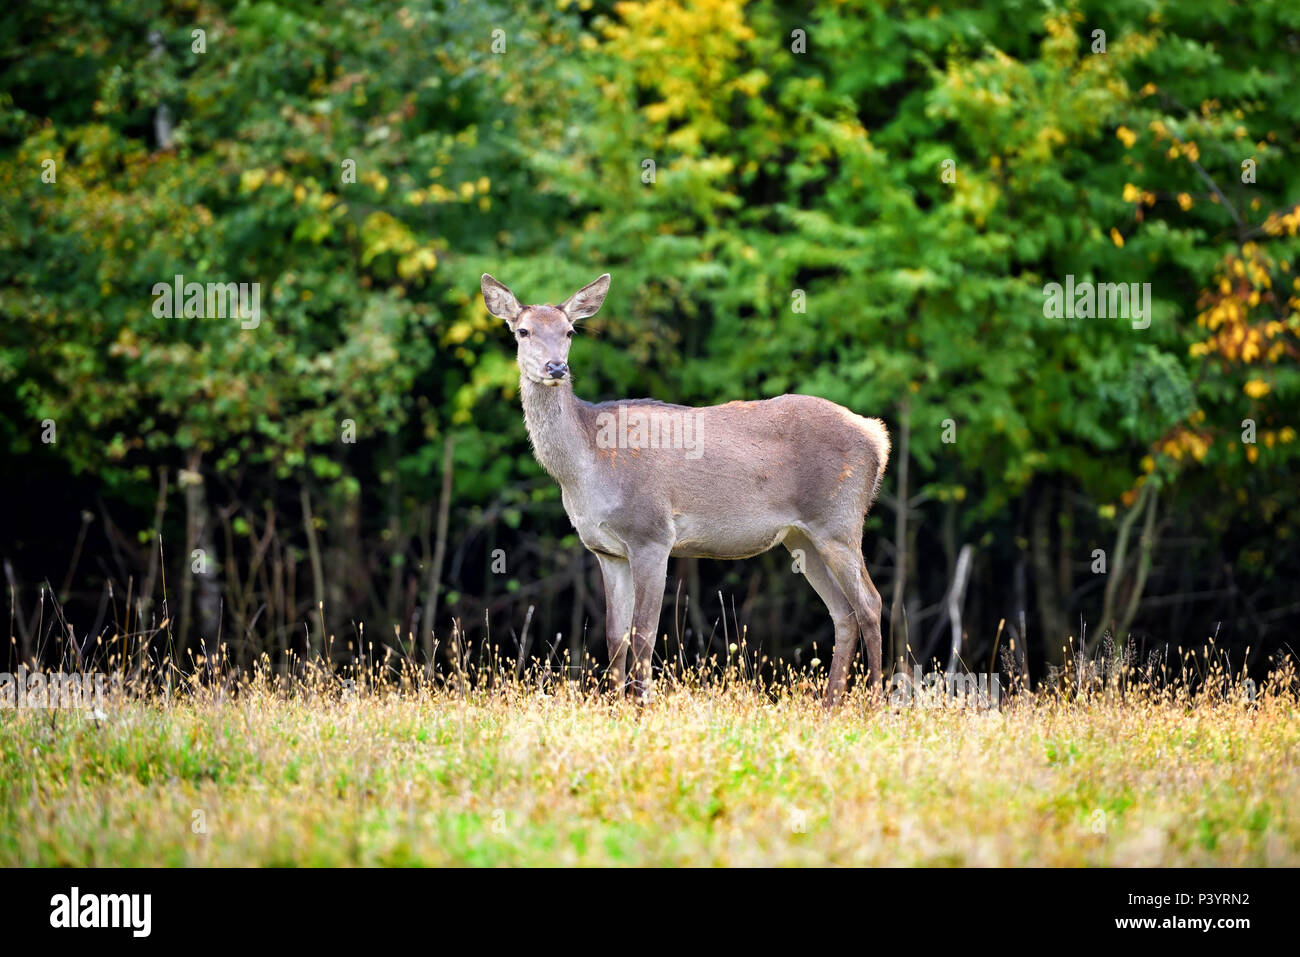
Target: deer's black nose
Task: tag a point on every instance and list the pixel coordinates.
(556, 370)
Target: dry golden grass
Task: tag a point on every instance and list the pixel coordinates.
(718, 773)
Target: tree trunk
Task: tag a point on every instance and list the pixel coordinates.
(897, 623)
(439, 554)
(316, 625)
(955, 595)
(1051, 615)
(1146, 543)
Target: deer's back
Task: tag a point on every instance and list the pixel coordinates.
(731, 480)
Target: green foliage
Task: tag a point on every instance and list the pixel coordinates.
(780, 177)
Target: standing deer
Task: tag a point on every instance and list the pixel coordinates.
(643, 481)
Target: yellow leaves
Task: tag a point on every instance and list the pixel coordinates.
(251, 180)
(1177, 148)
(421, 260)
(686, 139)
(1256, 388)
(977, 197)
(752, 83)
(1134, 195)
(375, 179)
(1252, 453)
(463, 193)
(1116, 238)
(1185, 444)
(1062, 24)
(685, 52)
(1037, 115)
(660, 112)
(1062, 44)
(1184, 202)
(477, 322)
(381, 234)
(458, 332)
(1238, 309)
(1277, 224)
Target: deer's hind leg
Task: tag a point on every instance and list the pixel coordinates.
(814, 568)
(844, 559)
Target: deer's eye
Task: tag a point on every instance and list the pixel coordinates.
(523, 333)
(569, 334)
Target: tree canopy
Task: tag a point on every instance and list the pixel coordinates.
(863, 202)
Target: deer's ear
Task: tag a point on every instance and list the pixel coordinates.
(500, 301)
(586, 301)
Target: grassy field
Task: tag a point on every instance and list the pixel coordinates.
(716, 775)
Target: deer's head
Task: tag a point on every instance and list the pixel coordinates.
(542, 333)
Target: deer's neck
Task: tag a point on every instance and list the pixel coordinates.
(555, 427)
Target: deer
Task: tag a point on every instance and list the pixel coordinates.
(644, 481)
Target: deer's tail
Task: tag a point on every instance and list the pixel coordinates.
(878, 438)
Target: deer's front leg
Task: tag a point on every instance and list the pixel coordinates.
(616, 573)
(649, 572)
